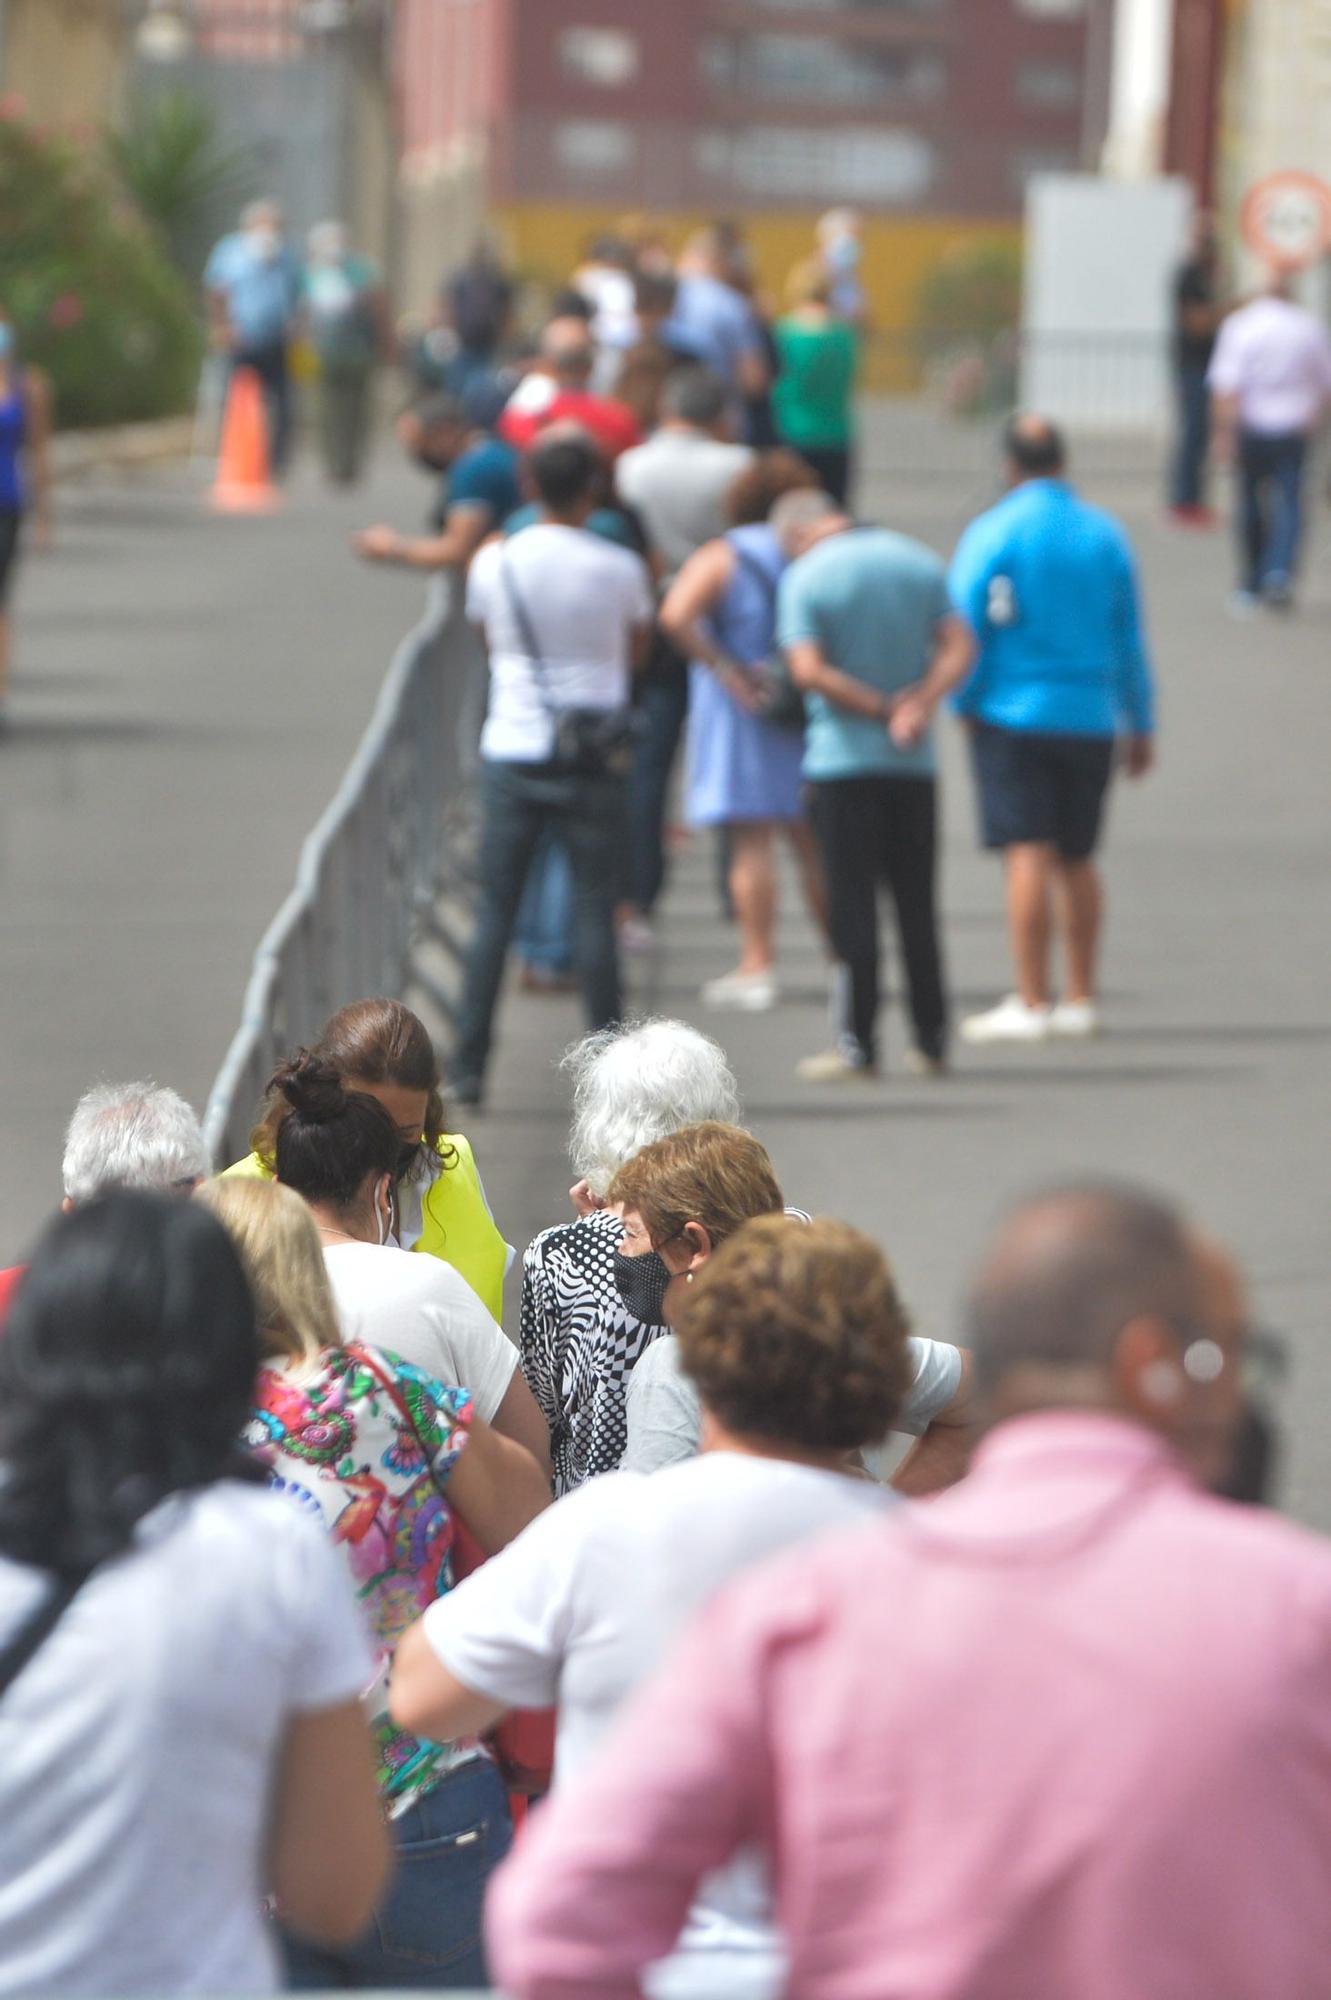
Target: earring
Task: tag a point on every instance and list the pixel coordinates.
(688, 1277)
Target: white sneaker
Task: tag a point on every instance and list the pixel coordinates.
(747, 992)
(1077, 1018)
(915, 1062)
(636, 937)
(834, 1066)
(1010, 1021)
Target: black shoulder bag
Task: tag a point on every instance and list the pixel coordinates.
(780, 701)
(588, 742)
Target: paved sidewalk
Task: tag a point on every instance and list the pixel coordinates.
(1215, 1082)
(188, 693)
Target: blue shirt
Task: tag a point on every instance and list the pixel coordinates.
(1049, 585)
(871, 601)
(716, 323)
(485, 475)
(261, 293)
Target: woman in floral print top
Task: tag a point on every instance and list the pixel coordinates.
(391, 1461)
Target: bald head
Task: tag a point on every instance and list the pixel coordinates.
(1069, 1270)
(1034, 447)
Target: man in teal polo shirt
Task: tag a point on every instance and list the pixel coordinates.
(871, 638)
(1049, 584)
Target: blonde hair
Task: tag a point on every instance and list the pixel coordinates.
(714, 1174)
(278, 1243)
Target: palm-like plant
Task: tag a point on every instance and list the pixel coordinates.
(182, 179)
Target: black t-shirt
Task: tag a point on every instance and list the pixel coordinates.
(1194, 286)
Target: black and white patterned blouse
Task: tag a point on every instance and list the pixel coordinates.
(578, 1344)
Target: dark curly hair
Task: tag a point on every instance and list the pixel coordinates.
(127, 1372)
(794, 1332)
(369, 1042)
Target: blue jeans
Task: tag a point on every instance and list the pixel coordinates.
(519, 804)
(1270, 505)
(544, 936)
(1194, 437)
(663, 703)
(427, 1932)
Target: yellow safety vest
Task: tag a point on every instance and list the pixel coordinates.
(458, 1227)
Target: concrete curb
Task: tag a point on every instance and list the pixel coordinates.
(120, 447)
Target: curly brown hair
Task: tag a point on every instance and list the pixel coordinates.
(714, 1174)
(794, 1332)
(371, 1041)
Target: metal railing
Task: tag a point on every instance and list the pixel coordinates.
(368, 885)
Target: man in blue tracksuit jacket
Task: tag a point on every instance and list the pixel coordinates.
(1049, 585)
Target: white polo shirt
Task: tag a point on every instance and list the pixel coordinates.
(1276, 358)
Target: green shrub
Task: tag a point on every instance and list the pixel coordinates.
(968, 314)
(170, 161)
(92, 293)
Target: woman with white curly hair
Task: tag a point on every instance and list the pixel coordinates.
(579, 1342)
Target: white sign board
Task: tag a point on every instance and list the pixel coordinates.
(1097, 312)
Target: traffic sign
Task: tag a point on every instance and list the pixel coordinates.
(1286, 219)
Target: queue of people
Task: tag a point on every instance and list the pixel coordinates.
(296, 1551)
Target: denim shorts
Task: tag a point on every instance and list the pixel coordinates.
(1034, 787)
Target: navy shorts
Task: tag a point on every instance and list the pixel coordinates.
(1033, 787)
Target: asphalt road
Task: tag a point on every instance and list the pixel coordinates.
(191, 690)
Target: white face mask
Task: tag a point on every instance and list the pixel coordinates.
(265, 242)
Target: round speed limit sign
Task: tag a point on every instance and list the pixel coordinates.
(1286, 219)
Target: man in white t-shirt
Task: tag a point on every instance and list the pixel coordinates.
(1270, 382)
(566, 618)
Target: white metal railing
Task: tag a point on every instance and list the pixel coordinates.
(368, 882)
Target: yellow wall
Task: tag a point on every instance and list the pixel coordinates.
(546, 242)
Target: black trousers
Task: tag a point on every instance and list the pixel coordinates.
(884, 829)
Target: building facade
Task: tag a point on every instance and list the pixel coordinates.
(928, 115)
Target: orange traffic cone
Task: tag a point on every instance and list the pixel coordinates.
(244, 482)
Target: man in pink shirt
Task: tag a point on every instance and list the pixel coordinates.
(1270, 383)
(1062, 1734)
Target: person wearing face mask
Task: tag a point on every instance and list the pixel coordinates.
(253, 286)
(680, 1200)
(339, 1149)
(797, 1340)
(25, 474)
(347, 317)
(381, 1047)
(1063, 1731)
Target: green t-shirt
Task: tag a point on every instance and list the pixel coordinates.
(814, 391)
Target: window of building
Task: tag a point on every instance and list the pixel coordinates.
(852, 6)
(841, 163)
(1052, 10)
(1048, 86)
(593, 147)
(606, 57)
(819, 69)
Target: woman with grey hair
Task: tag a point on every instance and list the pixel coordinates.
(579, 1343)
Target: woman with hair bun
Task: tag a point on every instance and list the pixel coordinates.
(340, 1150)
(180, 1658)
(798, 1340)
(381, 1048)
(391, 1461)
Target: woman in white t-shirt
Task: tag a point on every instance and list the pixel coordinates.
(338, 1149)
(797, 1341)
(180, 1659)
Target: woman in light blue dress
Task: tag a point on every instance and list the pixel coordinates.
(744, 769)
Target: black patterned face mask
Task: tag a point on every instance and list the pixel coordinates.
(642, 1282)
